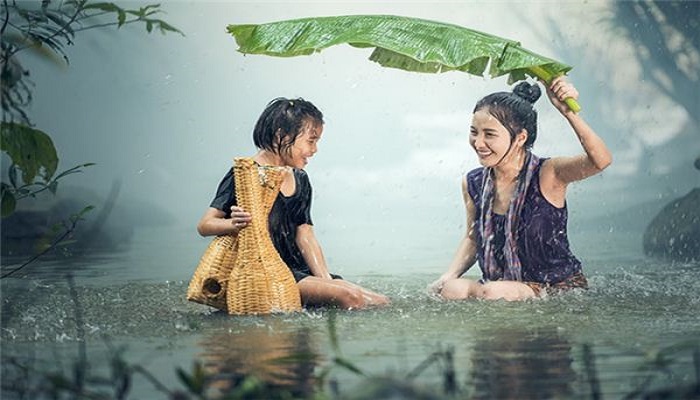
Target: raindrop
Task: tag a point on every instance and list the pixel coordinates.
(62, 337)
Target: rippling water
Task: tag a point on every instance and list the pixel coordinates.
(637, 312)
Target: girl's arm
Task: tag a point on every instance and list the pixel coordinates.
(311, 251)
(596, 156)
(214, 222)
(465, 257)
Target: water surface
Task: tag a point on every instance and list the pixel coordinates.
(606, 339)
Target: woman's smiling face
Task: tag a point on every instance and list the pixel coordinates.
(489, 138)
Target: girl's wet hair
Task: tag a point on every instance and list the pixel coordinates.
(514, 110)
(282, 122)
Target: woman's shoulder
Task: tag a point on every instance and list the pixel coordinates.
(476, 175)
(476, 172)
(474, 180)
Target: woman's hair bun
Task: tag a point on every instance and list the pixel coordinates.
(527, 91)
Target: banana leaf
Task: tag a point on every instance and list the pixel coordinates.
(411, 44)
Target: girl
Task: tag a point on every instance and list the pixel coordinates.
(516, 203)
(287, 134)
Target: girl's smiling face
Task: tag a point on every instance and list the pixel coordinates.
(305, 145)
(490, 139)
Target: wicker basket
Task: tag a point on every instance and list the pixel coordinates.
(260, 282)
(208, 285)
(245, 274)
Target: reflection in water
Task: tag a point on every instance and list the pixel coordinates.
(281, 358)
(513, 364)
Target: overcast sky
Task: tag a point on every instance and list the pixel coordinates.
(165, 115)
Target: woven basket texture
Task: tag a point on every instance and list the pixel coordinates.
(260, 282)
(208, 285)
(245, 274)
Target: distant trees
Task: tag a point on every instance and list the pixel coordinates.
(667, 39)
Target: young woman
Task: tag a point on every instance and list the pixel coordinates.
(287, 134)
(516, 203)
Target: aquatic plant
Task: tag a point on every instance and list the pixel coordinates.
(28, 378)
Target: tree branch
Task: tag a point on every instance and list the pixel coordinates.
(53, 245)
(106, 24)
(650, 39)
(7, 16)
(58, 32)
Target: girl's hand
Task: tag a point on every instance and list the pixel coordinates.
(240, 218)
(558, 91)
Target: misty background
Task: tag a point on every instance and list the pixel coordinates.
(163, 116)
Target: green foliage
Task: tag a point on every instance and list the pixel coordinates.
(15, 191)
(143, 14)
(53, 25)
(59, 234)
(405, 43)
(194, 381)
(30, 149)
(410, 44)
(46, 28)
(33, 160)
(9, 202)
